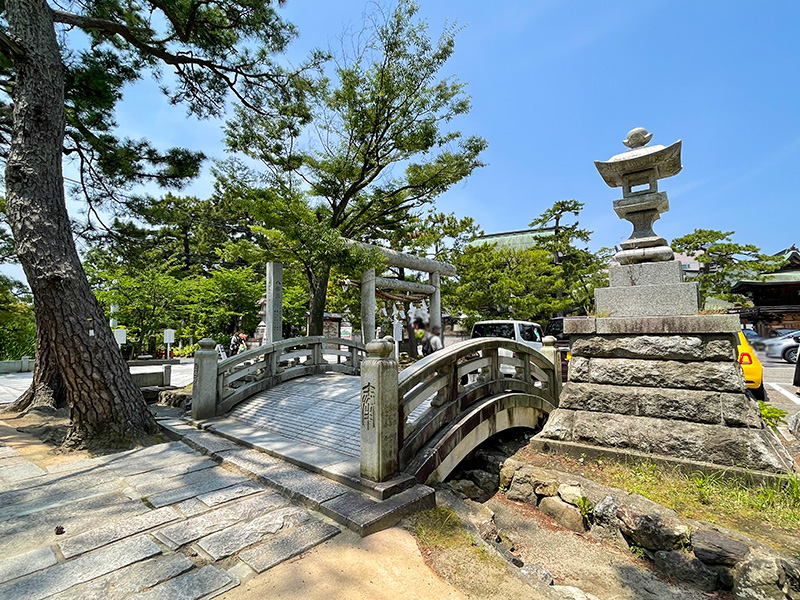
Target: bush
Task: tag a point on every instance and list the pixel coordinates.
(185, 352)
(17, 342)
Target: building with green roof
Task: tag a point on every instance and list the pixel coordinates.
(775, 296)
(515, 240)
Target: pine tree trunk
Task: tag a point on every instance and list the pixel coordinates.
(47, 392)
(106, 408)
(318, 286)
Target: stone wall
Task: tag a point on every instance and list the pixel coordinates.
(663, 395)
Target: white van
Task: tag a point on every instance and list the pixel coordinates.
(523, 332)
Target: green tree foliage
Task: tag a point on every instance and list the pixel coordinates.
(724, 262)
(582, 269)
(183, 285)
(60, 91)
(385, 106)
(506, 283)
(17, 326)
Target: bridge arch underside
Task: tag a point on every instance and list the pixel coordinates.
(473, 427)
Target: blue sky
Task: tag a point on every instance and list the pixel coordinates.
(556, 85)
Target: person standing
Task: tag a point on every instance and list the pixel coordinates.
(796, 380)
(432, 342)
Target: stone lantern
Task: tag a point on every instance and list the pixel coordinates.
(647, 281)
(641, 166)
(650, 378)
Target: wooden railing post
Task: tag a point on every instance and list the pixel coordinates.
(380, 407)
(204, 386)
(551, 353)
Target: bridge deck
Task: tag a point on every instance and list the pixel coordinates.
(319, 410)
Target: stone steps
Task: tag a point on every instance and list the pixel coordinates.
(334, 488)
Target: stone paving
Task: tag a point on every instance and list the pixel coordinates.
(162, 522)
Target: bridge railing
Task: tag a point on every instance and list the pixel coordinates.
(433, 391)
(220, 385)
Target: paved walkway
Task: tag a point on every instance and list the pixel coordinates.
(14, 384)
(163, 522)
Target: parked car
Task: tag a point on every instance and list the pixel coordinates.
(523, 332)
(781, 331)
(752, 337)
(784, 347)
(555, 327)
(773, 336)
(752, 368)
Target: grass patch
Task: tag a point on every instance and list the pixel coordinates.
(440, 527)
(724, 500)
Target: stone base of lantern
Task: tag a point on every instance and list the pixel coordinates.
(667, 389)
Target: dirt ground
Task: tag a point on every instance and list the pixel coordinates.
(384, 566)
(578, 560)
(41, 435)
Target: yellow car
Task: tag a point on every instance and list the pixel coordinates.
(753, 371)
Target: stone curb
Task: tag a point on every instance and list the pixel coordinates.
(352, 508)
(577, 450)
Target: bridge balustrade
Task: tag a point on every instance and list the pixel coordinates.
(430, 394)
(220, 385)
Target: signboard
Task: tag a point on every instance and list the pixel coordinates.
(121, 335)
(346, 332)
(169, 336)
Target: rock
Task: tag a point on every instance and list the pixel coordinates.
(665, 347)
(539, 573)
(605, 512)
(562, 513)
(717, 376)
(760, 579)
(572, 593)
(181, 398)
(794, 425)
(685, 567)
(792, 569)
(725, 575)
(529, 483)
(466, 487)
(559, 425)
(195, 584)
(489, 460)
(716, 549)
(578, 369)
(510, 466)
(697, 406)
(730, 446)
(652, 528)
(605, 526)
(476, 517)
(277, 550)
(488, 482)
(570, 494)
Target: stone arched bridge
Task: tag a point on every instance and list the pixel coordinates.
(342, 410)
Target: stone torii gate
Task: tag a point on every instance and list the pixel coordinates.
(270, 328)
(370, 282)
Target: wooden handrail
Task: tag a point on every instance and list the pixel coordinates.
(437, 376)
